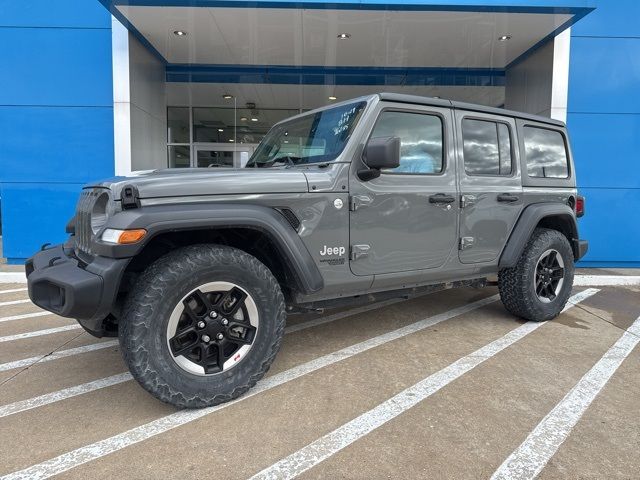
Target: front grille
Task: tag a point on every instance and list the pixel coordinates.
(83, 219)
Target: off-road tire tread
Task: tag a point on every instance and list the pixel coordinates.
(162, 275)
(513, 283)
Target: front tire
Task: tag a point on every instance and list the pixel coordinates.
(202, 325)
(538, 286)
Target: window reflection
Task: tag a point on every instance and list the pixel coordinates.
(486, 147)
(420, 140)
(545, 153)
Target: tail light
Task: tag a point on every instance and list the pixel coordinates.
(579, 206)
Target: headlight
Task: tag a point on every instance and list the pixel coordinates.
(102, 209)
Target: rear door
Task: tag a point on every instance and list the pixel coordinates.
(406, 219)
(490, 186)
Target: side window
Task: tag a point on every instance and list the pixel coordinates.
(545, 153)
(486, 147)
(420, 140)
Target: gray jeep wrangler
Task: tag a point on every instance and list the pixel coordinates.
(381, 196)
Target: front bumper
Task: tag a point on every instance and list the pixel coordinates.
(62, 284)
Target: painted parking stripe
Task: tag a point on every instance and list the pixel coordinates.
(528, 460)
(13, 277)
(14, 290)
(26, 362)
(85, 454)
(14, 302)
(97, 346)
(606, 280)
(23, 316)
(326, 446)
(37, 333)
(63, 394)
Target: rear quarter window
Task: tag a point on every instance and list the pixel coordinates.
(545, 153)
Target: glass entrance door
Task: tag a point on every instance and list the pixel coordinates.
(222, 156)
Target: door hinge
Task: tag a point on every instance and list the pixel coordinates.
(466, 242)
(357, 201)
(358, 251)
(467, 200)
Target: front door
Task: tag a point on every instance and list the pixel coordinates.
(221, 155)
(406, 219)
(490, 186)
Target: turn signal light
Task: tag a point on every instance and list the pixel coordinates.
(579, 206)
(123, 237)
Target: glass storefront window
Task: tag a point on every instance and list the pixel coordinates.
(211, 126)
(179, 156)
(178, 125)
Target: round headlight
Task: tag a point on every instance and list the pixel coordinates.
(100, 212)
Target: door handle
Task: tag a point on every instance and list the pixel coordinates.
(508, 198)
(440, 198)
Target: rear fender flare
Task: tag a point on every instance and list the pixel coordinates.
(529, 219)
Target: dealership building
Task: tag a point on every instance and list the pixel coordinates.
(92, 89)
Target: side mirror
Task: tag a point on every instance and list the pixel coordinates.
(379, 153)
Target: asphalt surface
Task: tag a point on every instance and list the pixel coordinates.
(447, 385)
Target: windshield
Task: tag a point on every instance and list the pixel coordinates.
(315, 138)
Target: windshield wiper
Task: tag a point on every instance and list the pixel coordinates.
(289, 160)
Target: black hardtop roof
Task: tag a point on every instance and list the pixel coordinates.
(438, 102)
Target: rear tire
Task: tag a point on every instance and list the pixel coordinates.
(202, 325)
(538, 286)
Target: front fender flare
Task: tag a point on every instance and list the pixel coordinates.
(159, 219)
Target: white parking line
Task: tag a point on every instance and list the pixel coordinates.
(326, 446)
(42, 400)
(13, 277)
(14, 302)
(85, 454)
(14, 290)
(606, 280)
(528, 460)
(23, 316)
(26, 362)
(37, 333)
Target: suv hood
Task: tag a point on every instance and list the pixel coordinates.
(177, 182)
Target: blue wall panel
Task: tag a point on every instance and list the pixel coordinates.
(605, 75)
(56, 144)
(612, 18)
(56, 66)
(612, 226)
(53, 13)
(34, 214)
(604, 120)
(606, 149)
(56, 115)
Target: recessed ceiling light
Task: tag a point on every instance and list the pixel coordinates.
(243, 119)
(344, 36)
(504, 38)
(333, 98)
(254, 119)
(227, 96)
(286, 141)
(221, 129)
(231, 139)
(180, 33)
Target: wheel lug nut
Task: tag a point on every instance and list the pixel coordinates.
(213, 315)
(220, 336)
(206, 338)
(225, 321)
(201, 324)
